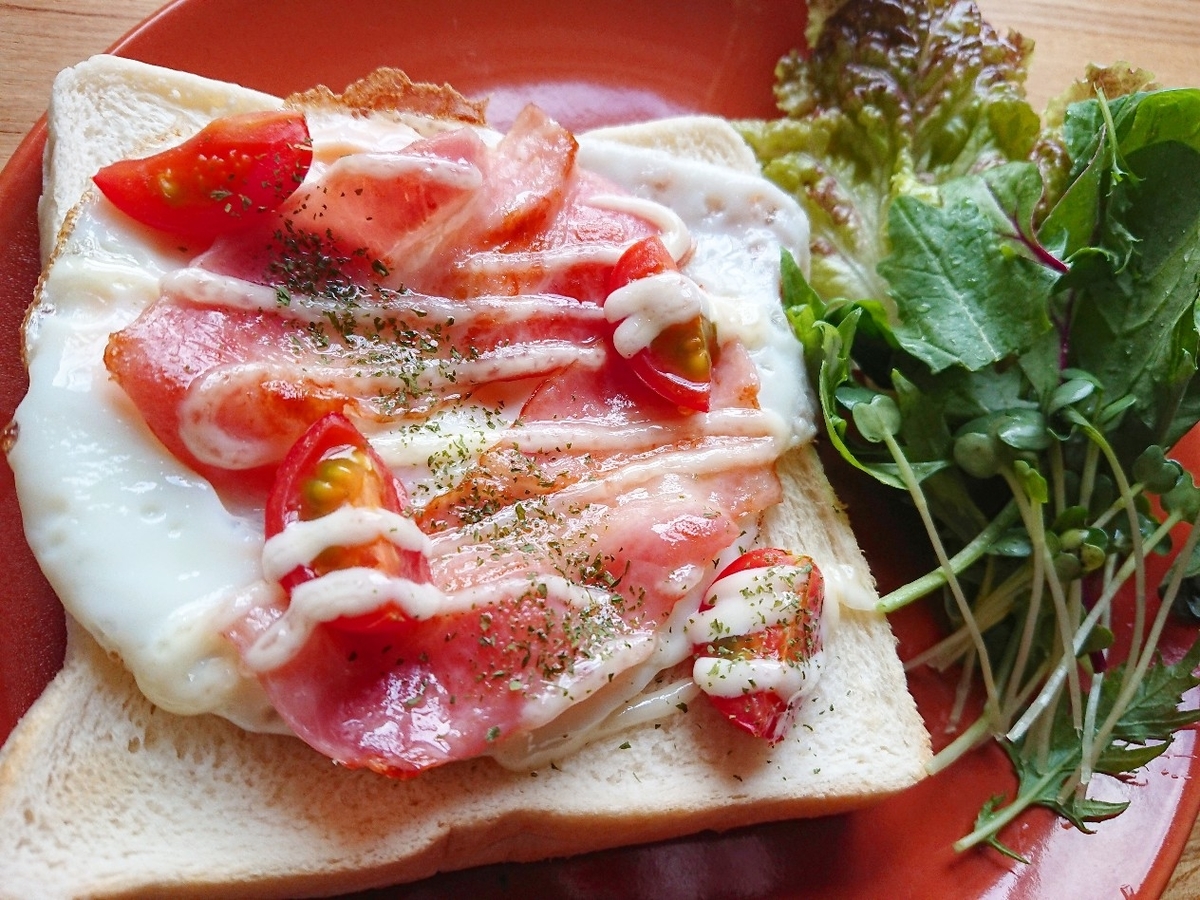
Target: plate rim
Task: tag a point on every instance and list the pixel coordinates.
(27, 156)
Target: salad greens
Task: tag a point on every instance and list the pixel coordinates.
(1001, 319)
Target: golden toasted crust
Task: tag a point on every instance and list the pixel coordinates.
(391, 90)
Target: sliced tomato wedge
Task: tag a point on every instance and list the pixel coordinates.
(763, 713)
(678, 363)
(331, 466)
(218, 181)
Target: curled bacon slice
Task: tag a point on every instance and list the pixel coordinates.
(549, 586)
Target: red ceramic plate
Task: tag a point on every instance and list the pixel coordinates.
(594, 63)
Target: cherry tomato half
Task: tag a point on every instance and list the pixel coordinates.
(764, 713)
(237, 167)
(643, 258)
(332, 465)
(678, 363)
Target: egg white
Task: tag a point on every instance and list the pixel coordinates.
(144, 553)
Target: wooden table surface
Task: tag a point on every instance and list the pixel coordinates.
(39, 37)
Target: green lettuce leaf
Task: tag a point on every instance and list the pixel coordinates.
(893, 100)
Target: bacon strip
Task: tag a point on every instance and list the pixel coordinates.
(233, 386)
(393, 286)
(450, 687)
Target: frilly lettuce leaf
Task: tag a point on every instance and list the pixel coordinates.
(1113, 81)
(893, 100)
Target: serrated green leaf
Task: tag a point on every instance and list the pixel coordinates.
(1154, 712)
(1128, 757)
(953, 283)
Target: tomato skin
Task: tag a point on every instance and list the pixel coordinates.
(764, 714)
(758, 558)
(760, 714)
(677, 350)
(330, 466)
(643, 258)
(218, 181)
(678, 363)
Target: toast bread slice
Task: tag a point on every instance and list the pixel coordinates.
(104, 794)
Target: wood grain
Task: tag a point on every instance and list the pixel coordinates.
(40, 37)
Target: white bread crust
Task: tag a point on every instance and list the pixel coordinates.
(108, 108)
(103, 794)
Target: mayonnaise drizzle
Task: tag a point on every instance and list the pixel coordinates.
(202, 432)
(746, 603)
(358, 591)
(548, 437)
(194, 284)
(343, 592)
(850, 586)
(303, 541)
(648, 306)
(673, 230)
(790, 681)
(449, 172)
